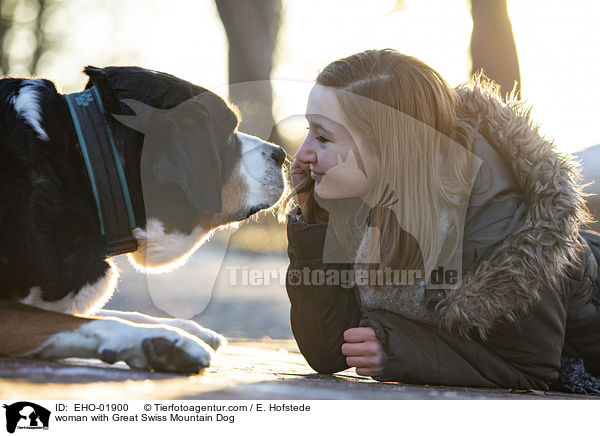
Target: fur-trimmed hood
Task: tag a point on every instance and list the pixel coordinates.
(506, 284)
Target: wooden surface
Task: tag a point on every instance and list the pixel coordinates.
(266, 369)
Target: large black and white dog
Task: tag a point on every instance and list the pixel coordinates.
(55, 245)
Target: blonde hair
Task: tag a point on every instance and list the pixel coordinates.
(408, 113)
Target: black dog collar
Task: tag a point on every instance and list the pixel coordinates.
(104, 170)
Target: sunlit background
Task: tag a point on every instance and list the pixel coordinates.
(557, 44)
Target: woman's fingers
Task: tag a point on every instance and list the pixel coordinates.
(370, 366)
(299, 171)
(363, 351)
(371, 372)
(359, 334)
(360, 348)
(363, 361)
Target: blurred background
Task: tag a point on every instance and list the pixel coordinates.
(263, 55)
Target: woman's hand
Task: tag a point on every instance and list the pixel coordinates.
(364, 351)
(299, 172)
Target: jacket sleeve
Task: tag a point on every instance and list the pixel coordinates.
(320, 313)
(582, 339)
(524, 355)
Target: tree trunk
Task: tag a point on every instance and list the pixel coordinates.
(5, 24)
(493, 46)
(252, 27)
(41, 45)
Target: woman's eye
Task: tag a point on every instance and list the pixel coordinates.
(322, 139)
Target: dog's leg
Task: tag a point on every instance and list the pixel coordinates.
(212, 338)
(26, 331)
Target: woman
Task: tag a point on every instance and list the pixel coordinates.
(401, 173)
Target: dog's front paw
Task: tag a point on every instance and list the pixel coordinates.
(164, 355)
(212, 338)
(156, 348)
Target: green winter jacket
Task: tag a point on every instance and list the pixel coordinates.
(530, 289)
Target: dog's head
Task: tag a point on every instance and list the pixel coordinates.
(192, 171)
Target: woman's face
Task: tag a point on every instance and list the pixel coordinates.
(340, 162)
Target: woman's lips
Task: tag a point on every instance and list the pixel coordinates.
(316, 176)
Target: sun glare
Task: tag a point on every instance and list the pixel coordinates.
(556, 41)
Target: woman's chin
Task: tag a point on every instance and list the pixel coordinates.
(333, 192)
(324, 193)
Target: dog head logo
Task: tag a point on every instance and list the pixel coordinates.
(182, 147)
(198, 173)
(26, 415)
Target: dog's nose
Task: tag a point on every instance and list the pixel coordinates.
(278, 154)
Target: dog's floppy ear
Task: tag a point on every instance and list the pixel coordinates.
(98, 77)
(95, 74)
(179, 148)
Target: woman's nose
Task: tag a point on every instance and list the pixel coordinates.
(306, 153)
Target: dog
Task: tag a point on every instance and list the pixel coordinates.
(174, 169)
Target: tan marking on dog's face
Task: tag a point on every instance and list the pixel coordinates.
(233, 195)
(256, 183)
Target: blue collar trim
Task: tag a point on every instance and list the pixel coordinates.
(104, 168)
